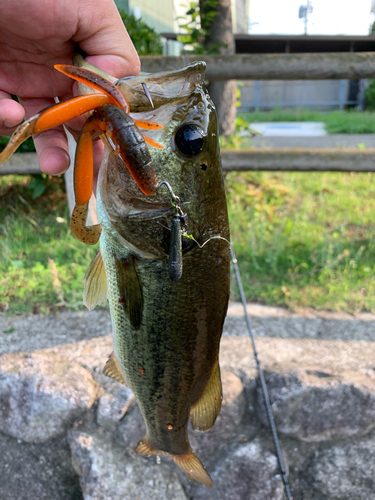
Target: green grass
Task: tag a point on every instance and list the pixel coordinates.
(305, 239)
(42, 265)
(336, 122)
(302, 240)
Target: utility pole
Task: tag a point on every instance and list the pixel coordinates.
(303, 12)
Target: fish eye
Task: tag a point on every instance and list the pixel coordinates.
(189, 140)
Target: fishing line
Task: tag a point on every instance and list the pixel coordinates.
(262, 380)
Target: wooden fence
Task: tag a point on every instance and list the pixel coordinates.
(350, 65)
(322, 66)
(303, 160)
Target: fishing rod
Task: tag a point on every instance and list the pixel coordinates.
(266, 397)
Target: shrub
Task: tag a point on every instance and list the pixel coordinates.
(145, 39)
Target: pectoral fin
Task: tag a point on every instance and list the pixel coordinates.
(204, 412)
(111, 369)
(130, 290)
(95, 283)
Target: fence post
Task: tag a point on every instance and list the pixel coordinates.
(361, 95)
(342, 93)
(256, 94)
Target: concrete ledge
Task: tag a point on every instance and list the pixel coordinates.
(42, 332)
(281, 323)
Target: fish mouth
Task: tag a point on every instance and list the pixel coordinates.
(165, 87)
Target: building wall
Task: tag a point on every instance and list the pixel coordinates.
(157, 14)
(162, 15)
(316, 94)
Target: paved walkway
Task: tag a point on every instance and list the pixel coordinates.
(326, 141)
(287, 129)
(42, 332)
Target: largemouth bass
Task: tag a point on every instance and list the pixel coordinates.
(166, 333)
(164, 252)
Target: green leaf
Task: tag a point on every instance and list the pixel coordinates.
(145, 38)
(38, 190)
(197, 23)
(10, 330)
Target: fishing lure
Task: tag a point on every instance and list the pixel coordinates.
(110, 118)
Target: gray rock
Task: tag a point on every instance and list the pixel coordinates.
(39, 331)
(42, 395)
(131, 430)
(232, 411)
(107, 472)
(345, 472)
(314, 405)
(249, 472)
(112, 408)
(37, 471)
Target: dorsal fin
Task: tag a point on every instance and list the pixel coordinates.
(204, 412)
(130, 290)
(95, 283)
(111, 369)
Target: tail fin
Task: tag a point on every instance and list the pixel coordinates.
(188, 462)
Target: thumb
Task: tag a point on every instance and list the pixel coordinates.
(103, 37)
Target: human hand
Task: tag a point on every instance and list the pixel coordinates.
(36, 35)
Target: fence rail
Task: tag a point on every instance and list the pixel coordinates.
(312, 66)
(298, 160)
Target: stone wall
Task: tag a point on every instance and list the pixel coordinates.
(68, 432)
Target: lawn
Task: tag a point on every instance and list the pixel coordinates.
(302, 240)
(305, 239)
(42, 265)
